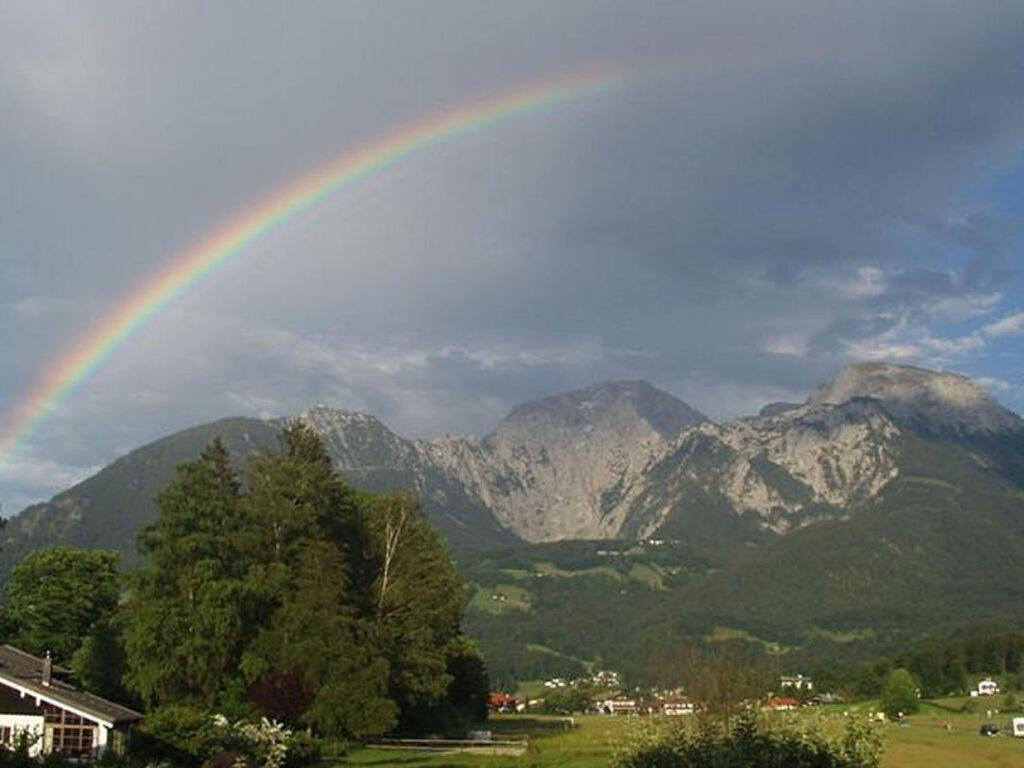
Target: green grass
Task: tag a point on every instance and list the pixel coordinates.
(648, 575)
(933, 482)
(516, 573)
(719, 634)
(924, 743)
(844, 636)
(550, 569)
(516, 599)
(552, 652)
(591, 743)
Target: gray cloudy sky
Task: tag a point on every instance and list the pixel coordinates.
(802, 188)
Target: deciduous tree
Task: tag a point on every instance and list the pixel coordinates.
(56, 596)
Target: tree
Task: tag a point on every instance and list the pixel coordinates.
(900, 694)
(186, 619)
(418, 595)
(297, 597)
(316, 633)
(568, 701)
(100, 663)
(56, 596)
(722, 675)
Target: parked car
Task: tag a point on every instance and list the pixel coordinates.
(989, 729)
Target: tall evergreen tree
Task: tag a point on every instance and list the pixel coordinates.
(347, 602)
(185, 623)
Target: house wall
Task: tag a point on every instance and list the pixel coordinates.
(13, 703)
(31, 724)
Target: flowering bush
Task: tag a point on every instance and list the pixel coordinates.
(262, 744)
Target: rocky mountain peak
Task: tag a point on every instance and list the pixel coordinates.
(355, 439)
(604, 404)
(939, 399)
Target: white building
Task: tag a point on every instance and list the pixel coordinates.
(988, 687)
(618, 705)
(54, 715)
(677, 707)
(796, 682)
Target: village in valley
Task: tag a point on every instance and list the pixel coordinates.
(602, 694)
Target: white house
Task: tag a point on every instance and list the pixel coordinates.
(1018, 726)
(677, 707)
(988, 687)
(620, 704)
(56, 716)
(796, 682)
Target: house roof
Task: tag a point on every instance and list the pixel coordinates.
(24, 672)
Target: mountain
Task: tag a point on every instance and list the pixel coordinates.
(826, 459)
(552, 469)
(568, 467)
(107, 510)
(888, 505)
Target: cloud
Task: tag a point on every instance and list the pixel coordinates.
(995, 384)
(1008, 326)
(805, 187)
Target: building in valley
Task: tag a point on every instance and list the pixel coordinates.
(36, 704)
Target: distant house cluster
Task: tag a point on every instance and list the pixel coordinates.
(667, 703)
(604, 678)
(607, 697)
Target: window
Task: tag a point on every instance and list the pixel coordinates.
(72, 740)
(68, 733)
(5, 735)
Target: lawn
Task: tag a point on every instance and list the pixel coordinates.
(924, 743)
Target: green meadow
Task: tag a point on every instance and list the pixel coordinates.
(935, 738)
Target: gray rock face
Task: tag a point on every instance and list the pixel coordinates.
(566, 467)
(611, 461)
(624, 459)
(559, 468)
(805, 464)
(943, 401)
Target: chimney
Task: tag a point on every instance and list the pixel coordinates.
(47, 669)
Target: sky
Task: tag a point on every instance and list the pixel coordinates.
(786, 188)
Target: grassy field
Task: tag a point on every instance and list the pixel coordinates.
(924, 743)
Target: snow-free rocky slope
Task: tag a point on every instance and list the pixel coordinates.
(616, 460)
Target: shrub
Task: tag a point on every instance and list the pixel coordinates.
(259, 745)
(180, 735)
(900, 695)
(750, 743)
(303, 750)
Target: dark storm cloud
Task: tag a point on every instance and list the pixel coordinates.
(800, 188)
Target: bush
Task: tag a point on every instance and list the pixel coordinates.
(900, 696)
(303, 750)
(180, 735)
(187, 736)
(750, 743)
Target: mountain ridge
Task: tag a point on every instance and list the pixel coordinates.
(616, 459)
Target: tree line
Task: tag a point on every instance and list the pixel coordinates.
(280, 592)
(940, 667)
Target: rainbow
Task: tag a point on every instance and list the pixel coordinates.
(207, 256)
